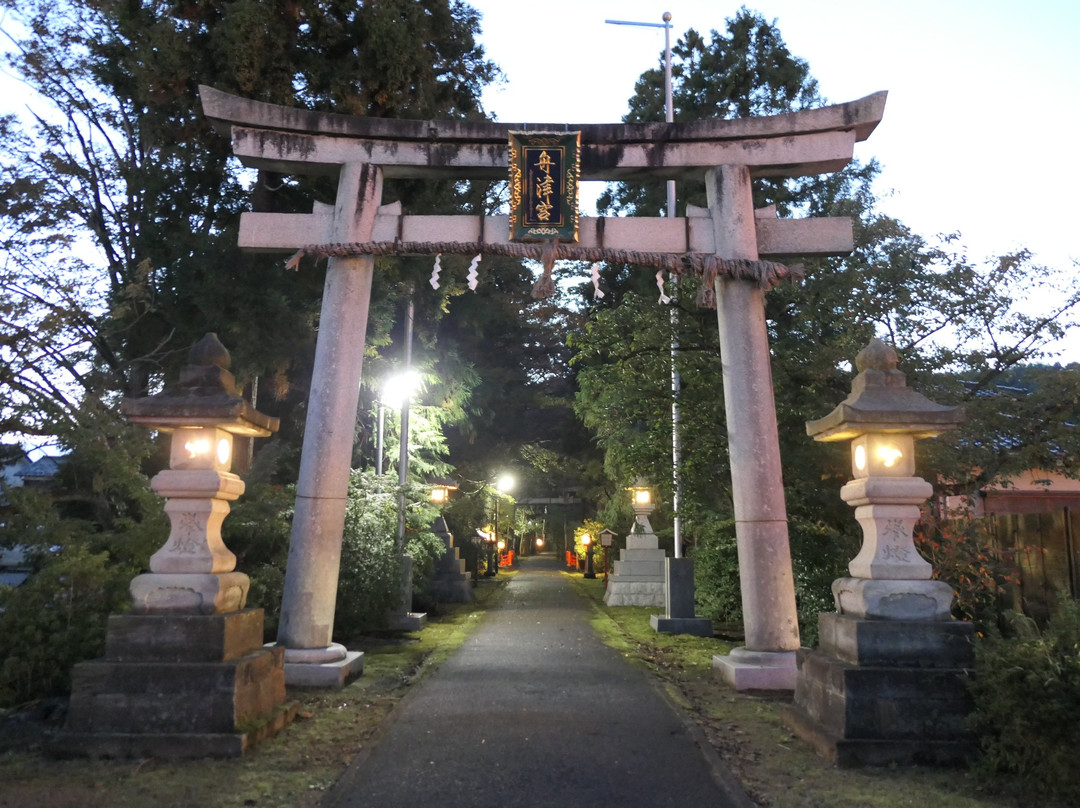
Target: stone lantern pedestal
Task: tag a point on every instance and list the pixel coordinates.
(186, 674)
(887, 683)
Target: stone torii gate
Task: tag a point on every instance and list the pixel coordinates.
(728, 154)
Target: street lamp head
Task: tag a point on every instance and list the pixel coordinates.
(504, 483)
(586, 539)
(399, 388)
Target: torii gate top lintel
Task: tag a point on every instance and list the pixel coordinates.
(301, 141)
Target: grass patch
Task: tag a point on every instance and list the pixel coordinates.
(292, 770)
(776, 768)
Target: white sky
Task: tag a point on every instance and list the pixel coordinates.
(980, 130)
(980, 133)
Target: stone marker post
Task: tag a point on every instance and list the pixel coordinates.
(767, 584)
(309, 599)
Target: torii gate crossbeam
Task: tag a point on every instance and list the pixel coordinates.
(728, 154)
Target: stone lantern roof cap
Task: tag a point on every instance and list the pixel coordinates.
(881, 401)
(205, 395)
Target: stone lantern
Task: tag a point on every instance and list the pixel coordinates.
(638, 577)
(194, 572)
(449, 583)
(186, 673)
(886, 684)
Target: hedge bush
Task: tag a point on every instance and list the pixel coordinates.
(1027, 702)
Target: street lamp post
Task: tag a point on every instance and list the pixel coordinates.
(502, 485)
(587, 541)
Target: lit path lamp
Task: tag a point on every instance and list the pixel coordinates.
(193, 573)
(641, 501)
(886, 684)
(676, 575)
(440, 491)
(492, 562)
(186, 674)
(587, 541)
(449, 582)
(638, 577)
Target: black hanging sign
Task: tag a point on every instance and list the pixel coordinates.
(544, 169)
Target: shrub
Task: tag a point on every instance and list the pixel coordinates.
(819, 555)
(960, 552)
(716, 573)
(1027, 702)
(369, 583)
(56, 619)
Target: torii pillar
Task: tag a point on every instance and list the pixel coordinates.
(770, 619)
(307, 608)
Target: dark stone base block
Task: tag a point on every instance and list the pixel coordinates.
(695, 626)
(882, 691)
(850, 753)
(171, 745)
(177, 686)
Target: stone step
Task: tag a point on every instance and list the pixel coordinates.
(176, 697)
(183, 638)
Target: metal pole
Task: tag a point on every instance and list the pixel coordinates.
(676, 382)
(669, 108)
(403, 455)
(379, 440)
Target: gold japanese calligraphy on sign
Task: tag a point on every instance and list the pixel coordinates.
(544, 171)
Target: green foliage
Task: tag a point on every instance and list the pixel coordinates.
(962, 555)
(257, 531)
(716, 574)
(55, 620)
(369, 584)
(86, 537)
(1027, 692)
(820, 552)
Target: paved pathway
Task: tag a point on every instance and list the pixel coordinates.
(533, 710)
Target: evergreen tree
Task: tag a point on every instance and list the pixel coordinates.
(960, 327)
